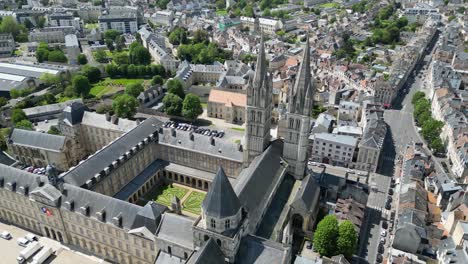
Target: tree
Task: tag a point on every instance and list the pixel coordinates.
(44, 2)
(134, 89)
(100, 56)
(172, 104)
(417, 96)
(200, 36)
(53, 130)
(49, 98)
(111, 34)
(17, 115)
(28, 24)
(191, 107)
(248, 11)
(42, 52)
(82, 60)
(139, 55)
(157, 80)
(120, 43)
(110, 44)
(57, 56)
(347, 239)
(178, 36)
(162, 3)
(81, 85)
(92, 73)
(120, 58)
(50, 79)
(125, 106)
(9, 25)
(176, 87)
(41, 22)
(104, 108)
(266, 12)
(326, 235)
(3, 101)
(24, 124)
(436, 145)
(112, 70)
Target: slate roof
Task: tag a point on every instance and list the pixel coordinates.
(221, 201)
(37, 140)
(19, 177)
(307, 195)
(176, 229)
(149, 216)
(254, 184)
(50, 108)
(48, 191)
(209, 253)
(97, 202)
(222, 147)
(74, 113)
(260, 251)
(103, 158)
(165, 258)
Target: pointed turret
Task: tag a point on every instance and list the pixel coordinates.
(221, 201)
(301, 92)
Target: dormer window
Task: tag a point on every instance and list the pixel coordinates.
(227, 224)
(213, 223)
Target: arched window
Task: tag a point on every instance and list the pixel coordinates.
(218, 242)
(169, 250)
(227, 224)
(213, 223)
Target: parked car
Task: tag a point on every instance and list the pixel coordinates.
(31, 237)
(308, 245)
(382, 241)
(22, 241)
(384, 225)
(390, 191)
(383, 233)
(6, 235)
(379, 258)
(388, 205)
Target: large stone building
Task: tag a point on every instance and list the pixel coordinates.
(7, 45)
(93, 206)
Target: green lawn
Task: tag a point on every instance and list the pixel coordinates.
(61, 99)
(221, 12)
(329, 5)
(193, 202)
(91, 25)
(204, 105)
(110, 86)
(238, 129)
(164, 194)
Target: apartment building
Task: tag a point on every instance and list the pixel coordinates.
(64, 19)
(7, 45)
(51, 34)
(226, 105)
(338, 150)
(122, 22)
(72, 47)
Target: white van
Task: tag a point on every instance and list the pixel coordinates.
(31, 237)
(5, 235)
(22, 241)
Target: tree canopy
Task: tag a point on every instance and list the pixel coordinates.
(134, 89)
(81, 85)
(139, 55)
(17, 115)
(100, 56)
(92, 73)
(157, 80)
(24, 124)
(172, 104)
(176, 87)
(178, 36)
(82, 60)
(111, 34)
(125, 106)
(347, 239)
(326, 235)
(191, 107)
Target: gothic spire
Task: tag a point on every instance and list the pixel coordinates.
(260, 67)
(298, 95)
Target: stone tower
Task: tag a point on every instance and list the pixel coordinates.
(175, 205)
(221, 217)
(258, 109)
(296, 125)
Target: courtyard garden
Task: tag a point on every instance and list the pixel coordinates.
(190, 199)
(110, 86)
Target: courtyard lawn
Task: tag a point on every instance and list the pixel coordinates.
(110, 86)
(193, 202)
(91, 25)
(329, 5)
(164, 194)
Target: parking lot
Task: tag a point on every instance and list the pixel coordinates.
(63, 255)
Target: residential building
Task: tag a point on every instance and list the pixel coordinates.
(338, 150)
(72, 47)
(64, 19)
(156, 44)
(226, 105)
(7, 45)
(51, 34)
(371, 145)
(162, 17)
(122, 22)
(40, 149)
(420, 12)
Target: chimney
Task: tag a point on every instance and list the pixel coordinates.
(138, 121)
(239, 147)
(173, 132)
(114, 119)
(212, 140)
(191, 136)
(108, 117)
